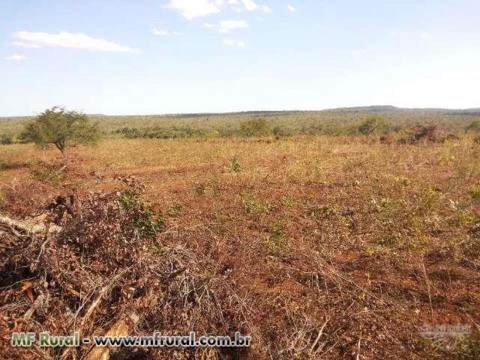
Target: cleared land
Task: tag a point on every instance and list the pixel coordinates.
(335, 247)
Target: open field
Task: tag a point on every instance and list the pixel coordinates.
(239, 180)
(318, 247)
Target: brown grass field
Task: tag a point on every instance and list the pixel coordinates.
(318, 247)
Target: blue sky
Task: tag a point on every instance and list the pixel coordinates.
(180, 56)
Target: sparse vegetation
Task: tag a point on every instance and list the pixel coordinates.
(381, 121)
(330, 240)
(54, 172)
(276, 239)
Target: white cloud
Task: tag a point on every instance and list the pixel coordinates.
(15, 57)
(356, 52)
(250, 5)
(425, 36)
(291, 8)
(191, 9)
(266, 9)
(237, 43)
(225, 26)
(68, 40)
(160, 32)
(25, 45)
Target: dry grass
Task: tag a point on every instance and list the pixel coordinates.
(324, 247)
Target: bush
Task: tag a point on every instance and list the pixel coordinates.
(6, 139)
(140, 215)
(163, 133)
(373, 125)
(276, 239)
(278, 132)
(475, 192)
(426, 133)
(234, 165)
(473, 126)
(255, 127)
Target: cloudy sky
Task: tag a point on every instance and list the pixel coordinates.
(180, 56)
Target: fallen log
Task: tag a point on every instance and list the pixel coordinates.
(26, 228)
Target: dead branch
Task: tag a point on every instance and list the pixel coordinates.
(39, 302)
(320, 333)
(120, 328)
(101, 294)
(26, 228)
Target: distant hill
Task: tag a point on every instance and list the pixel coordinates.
(386, 109)
(371, 108)
(390, 109)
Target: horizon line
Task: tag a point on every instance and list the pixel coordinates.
(351, 108)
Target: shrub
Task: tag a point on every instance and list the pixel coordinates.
(255, 127)
(276, 240)
(474, 126)
(252, 205)
(475, 192)
(279, 132)
(157, 132)
(234, 165)
(6, 139)
(419, 133)
(140, 215)
(373, 125)
(129, 133)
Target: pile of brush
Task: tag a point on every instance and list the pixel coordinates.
(95, 265)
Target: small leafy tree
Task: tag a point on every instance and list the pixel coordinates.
(60, 127)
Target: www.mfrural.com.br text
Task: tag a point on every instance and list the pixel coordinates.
(45, 339)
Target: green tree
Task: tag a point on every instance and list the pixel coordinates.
(60, 127)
